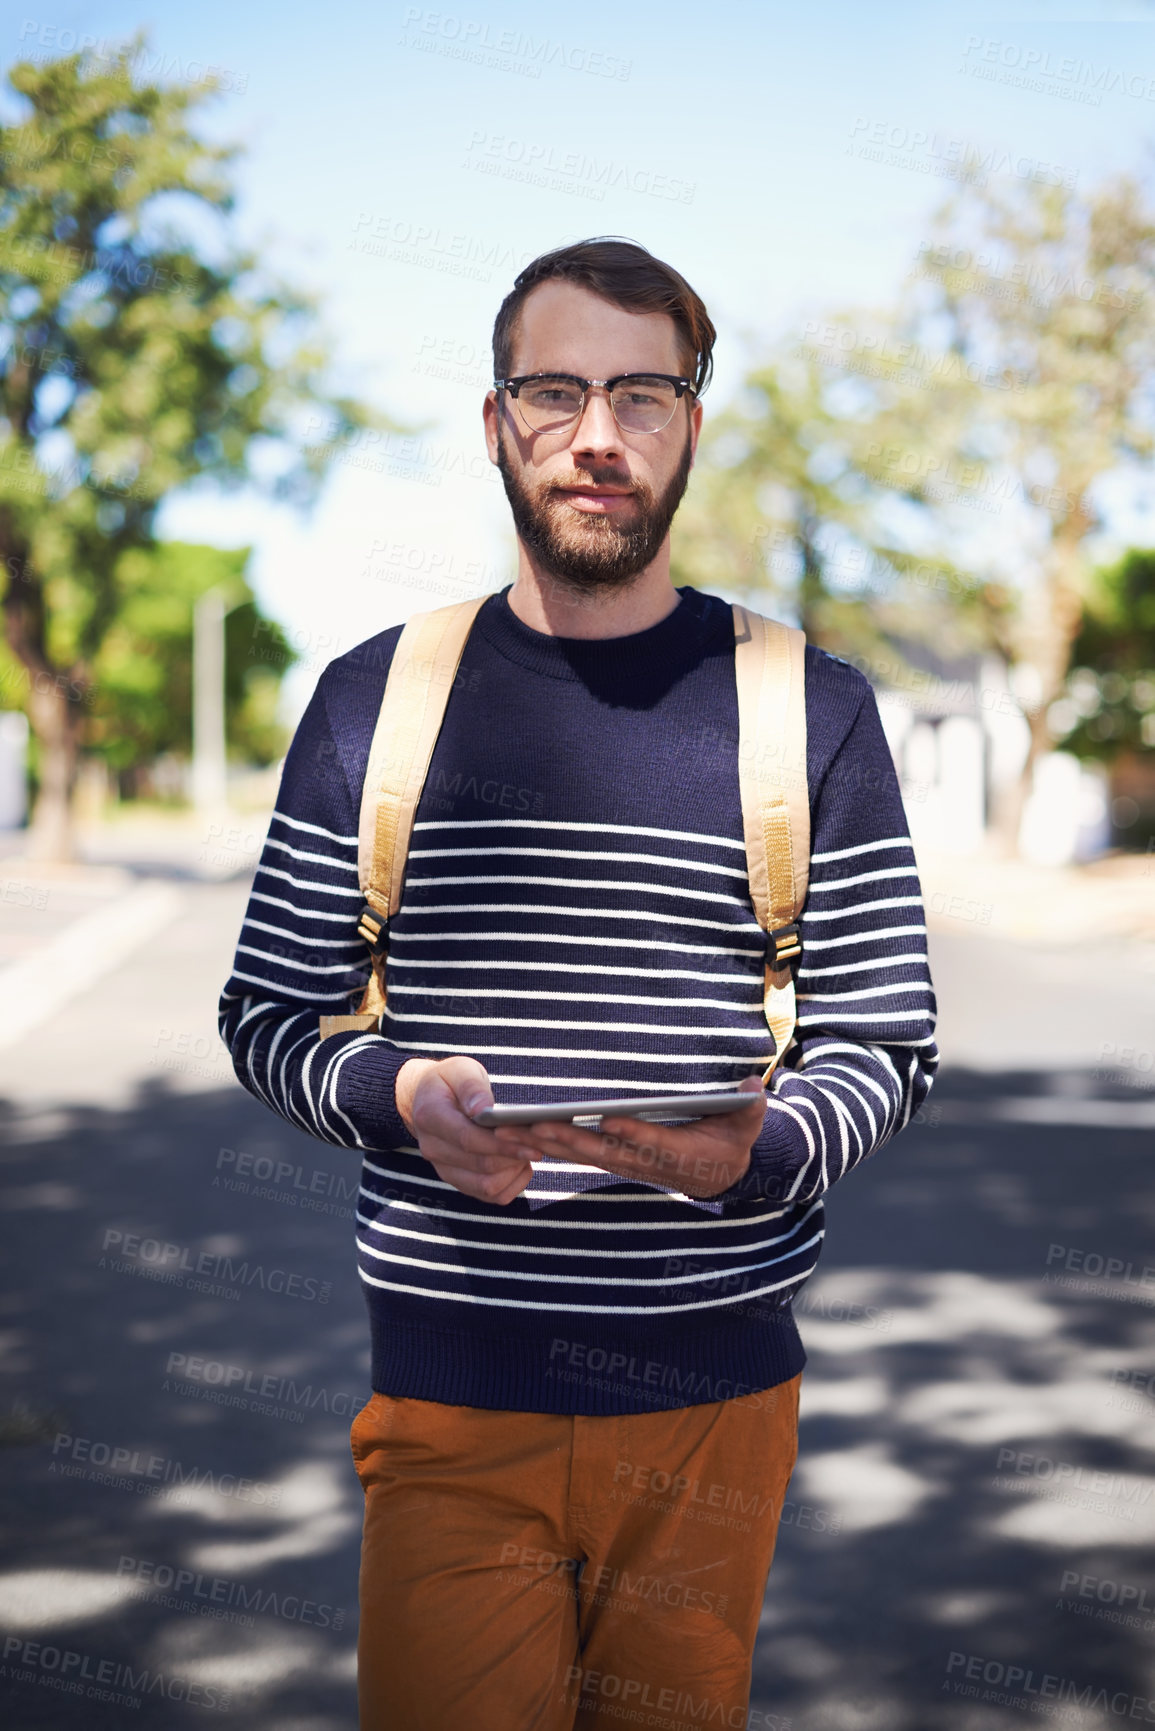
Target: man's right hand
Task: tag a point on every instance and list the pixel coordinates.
(438, 1102)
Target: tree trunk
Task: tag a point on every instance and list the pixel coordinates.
(1048, 635)
(55, 722)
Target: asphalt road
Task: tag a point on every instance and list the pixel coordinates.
(969, 1542)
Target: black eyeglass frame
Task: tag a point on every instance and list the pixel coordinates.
(681, 386)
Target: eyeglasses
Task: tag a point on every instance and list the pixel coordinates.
(641, 402)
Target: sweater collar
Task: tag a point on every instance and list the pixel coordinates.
(682, 637)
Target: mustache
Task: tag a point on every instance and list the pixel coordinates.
(595, 478)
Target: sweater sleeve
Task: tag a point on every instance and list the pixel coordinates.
(299, 956)
(865, 1054)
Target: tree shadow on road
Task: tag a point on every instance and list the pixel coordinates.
(186, 1345)
(973, 1506)
(186, 1349)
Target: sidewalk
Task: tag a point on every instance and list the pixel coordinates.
(1113, 898)
(64, 926)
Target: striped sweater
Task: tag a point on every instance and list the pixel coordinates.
(576, 915)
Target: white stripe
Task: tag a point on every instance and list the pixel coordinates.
(618, 1082)
(304, 883)
(315, 829)
(583, 828)
(601, 1309)
(876, 1016)
(301, 967)
(619, 1256)
(866, 878)
(325, 859)
(678, 890)
(296, 908)
(276, 986)
(670, 860)
(707, 1222)
(570, 1052)
(861, 908)
(492, 965)
(539, 1276)
(503, 995)
(864, 847)
(868, 938)
(866, 992)
(299, 937)
(396, 938)
(538, 908)
(851, 967)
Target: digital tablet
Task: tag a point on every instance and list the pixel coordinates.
(665, 1108)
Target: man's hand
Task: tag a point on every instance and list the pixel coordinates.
(699, 1159)
(437, 1102)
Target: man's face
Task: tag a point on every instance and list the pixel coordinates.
(591, 503)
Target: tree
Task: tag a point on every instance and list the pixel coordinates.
(142, 351)
(935, 470)
(142, 673)
(1108, 706)
(783, 504)
(1046, 294)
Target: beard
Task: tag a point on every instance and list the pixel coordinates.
(584, 551)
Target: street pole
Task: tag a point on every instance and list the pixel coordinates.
(209, 782)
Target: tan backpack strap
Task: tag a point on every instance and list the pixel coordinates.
(421, 676)
(769, 667)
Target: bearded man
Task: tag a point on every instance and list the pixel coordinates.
(585, 1381)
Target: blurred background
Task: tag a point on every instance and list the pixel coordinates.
(249, 264)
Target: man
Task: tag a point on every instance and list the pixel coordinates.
(585, 1379)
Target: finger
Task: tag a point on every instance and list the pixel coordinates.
(499, 1188)
(468, 1082)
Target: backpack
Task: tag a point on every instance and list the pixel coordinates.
(769, 669)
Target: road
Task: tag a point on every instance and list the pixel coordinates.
(973, 1507)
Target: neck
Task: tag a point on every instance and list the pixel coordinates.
(557, 609)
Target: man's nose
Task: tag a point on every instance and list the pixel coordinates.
(597, 434)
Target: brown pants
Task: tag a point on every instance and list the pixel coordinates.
(530, 1572)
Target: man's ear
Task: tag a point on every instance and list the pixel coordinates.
(491, 414)
(695, 429)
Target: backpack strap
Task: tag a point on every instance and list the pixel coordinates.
(421, 676)
(769, 668)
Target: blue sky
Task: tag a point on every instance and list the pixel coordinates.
(403, 161)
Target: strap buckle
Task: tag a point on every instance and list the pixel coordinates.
(374, 928)
(784, 945)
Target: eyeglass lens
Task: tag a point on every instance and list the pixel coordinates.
(640, 404)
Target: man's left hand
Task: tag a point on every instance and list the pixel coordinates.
(701, 1159)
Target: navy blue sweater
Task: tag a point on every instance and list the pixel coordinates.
(576, 915)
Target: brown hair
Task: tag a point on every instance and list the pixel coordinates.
(623, 272)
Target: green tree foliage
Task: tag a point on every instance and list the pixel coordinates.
(140, 351)
(935, 470)
(1109, 703)
(142, 704)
